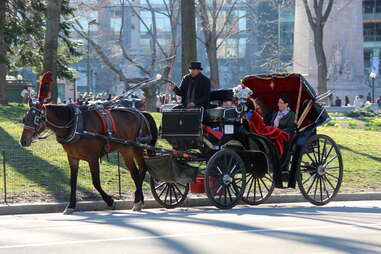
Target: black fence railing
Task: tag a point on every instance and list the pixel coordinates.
(26, 177)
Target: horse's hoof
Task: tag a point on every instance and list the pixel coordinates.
(137, 206)
(68, 211)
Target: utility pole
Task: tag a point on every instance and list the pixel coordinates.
(188, 34)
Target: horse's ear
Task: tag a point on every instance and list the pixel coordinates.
(30, 102)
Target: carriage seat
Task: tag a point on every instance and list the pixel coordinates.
(218, 97)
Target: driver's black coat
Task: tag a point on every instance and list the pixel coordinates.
(200, 95)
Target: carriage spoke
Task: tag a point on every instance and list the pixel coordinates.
(332, 175)
(160, 185)
(324, 151)
(270, 179)
(177, 188)
(236, 188)
(309, 178)
(251, 180)
(332, 168)
(229, 193)
(170, 194)
(260, 189)
(316, 185)
(329, 182)
(219, 170)
(309, 188)
(321, 190)
(327, 163)
(166, 194)
(174, 193)
(328, 154)
(309, 156)
(318, 150)
(162, 191)
(225, 195)
(232, 170)
(268, 190)
(255, 188)
(325, 188)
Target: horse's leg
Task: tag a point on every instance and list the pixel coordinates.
(139, 158)
(94, 169)
(128, 157)
(73, 163)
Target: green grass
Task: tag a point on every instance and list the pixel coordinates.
(41, 173)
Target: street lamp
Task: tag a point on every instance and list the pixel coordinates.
(92, 22)
(373, 76)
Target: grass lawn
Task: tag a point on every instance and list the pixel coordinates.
(40, 172)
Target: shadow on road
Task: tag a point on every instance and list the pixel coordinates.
(183, 215)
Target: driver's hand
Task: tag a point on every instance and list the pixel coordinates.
(172, 86)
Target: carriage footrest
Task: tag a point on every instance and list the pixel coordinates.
(168, 169)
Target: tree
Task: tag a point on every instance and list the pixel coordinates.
(217, 24)
(22, 31)
(3, 63)
(51, 42)
(188, 34)
(270, 55)
(161, 56)
(317, 20)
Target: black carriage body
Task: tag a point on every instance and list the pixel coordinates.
(196, 129)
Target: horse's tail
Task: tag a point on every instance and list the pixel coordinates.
(153, 128)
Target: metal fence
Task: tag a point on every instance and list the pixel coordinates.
(26, 176)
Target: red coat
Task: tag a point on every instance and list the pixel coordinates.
(276, 135)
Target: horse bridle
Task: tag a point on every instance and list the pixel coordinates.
(40, 120)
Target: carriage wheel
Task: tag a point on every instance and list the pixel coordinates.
(225, 179)
(320, 170)
(259, 187)
(169, 195)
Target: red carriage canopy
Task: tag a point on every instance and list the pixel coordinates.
(269, 87)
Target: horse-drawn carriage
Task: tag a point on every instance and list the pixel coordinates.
(214, 150)
(216, 153)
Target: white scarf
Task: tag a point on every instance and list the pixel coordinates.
(280, 115)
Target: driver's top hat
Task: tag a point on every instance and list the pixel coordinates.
(195, 65)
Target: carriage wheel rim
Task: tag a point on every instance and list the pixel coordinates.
(320, 170)
(169, 195)
(225, 180)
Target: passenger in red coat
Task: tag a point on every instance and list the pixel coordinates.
(257, 125)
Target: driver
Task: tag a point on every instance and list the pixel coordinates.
(194, 89)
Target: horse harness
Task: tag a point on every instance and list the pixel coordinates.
(77, 130)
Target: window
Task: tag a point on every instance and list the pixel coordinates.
(115, 24)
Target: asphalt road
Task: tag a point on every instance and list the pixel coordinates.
(340, 227)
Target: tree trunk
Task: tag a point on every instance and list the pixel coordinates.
(3, 64)
(51, 42)
(321, 60)
(150, 95)
(188, 34)
(211, 48)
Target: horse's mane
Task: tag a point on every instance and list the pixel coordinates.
(63, 112)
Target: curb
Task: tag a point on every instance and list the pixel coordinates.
(149, 204)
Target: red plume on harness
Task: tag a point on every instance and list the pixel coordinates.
(45, 89)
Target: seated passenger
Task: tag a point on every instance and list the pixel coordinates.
(263, 111)
(257, 125)
(284, 118)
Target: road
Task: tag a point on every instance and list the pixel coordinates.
(340, 227)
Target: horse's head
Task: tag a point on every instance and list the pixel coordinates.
(34, 123)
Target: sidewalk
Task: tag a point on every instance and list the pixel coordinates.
(123, 205)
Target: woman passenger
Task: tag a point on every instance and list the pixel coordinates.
(284, 118)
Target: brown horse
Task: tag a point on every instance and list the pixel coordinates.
(61, 119)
